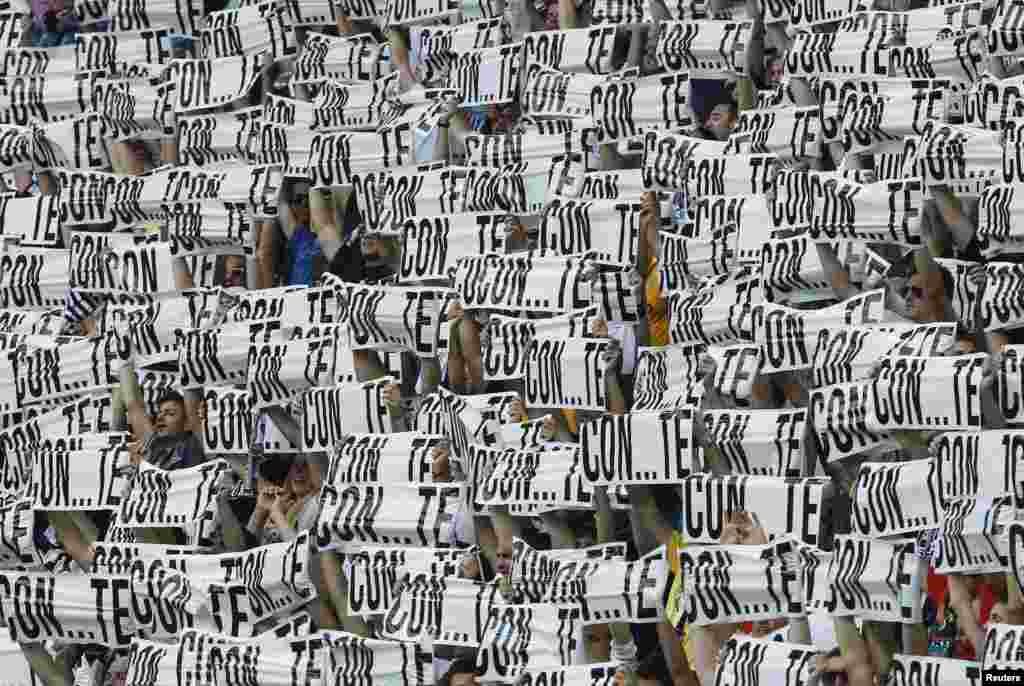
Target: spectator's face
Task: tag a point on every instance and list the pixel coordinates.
(775, 71)
(504, 553)
(721, 121)
(998, 614)
(171, 418)
(234, 271)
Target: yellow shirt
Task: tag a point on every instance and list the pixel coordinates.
(673, 609)
(657, 323)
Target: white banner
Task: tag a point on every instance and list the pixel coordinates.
(183, 498)
(79, 479)
(908, 670)
(550, 478)
(847, 354)
(844, 420)
(953, 400)
(324, 423)
(608, 231)
(377, 458)
(709, 501)
(876, 579)
(394, 318)
(892, 499)
(747, 661)
(638, 447)
(625, 109)
(280, 371)
(786, 334)
(758, 442)
(229, 421)
(77, 608)
(617, 590)
(487, 76)
(208, 83)
(739, 583)
(395, 514)
(528, 636)
(704, 49)
(980, 464)
(566, 373)
(522, 282)
(353, 659)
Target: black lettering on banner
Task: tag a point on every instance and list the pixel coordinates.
(95, 486)
(43, 606)
(847, 354)
(160, 498)
(966, 289)
(371, 585)
(736, 367)
(487, 76)
(640, 447)
(953, 401)
(505, 346)
(606, 231)
(983, 464)
(917, 670)
(899, 498)
(376, 458)
(841, 416)
(786, 335)
(592, 675)
(566, 373)
(876, 578)
(722, 588)
(418, 611)
(229, 421)
(971, 535)
(515, 636)
(145, 661)
(324, 423)
(704, 49)
(791, 265)
(762, 659)
(708, 502)
(522, 283)
(390, 317)
(277, 372)
(1000, 306)
(761, 442)
(524, 477)
(415, 515)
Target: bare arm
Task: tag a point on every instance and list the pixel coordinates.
(135, 411)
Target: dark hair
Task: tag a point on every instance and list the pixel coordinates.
(274, 468)
(462, 665)
(171, 396)
(654, 667)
